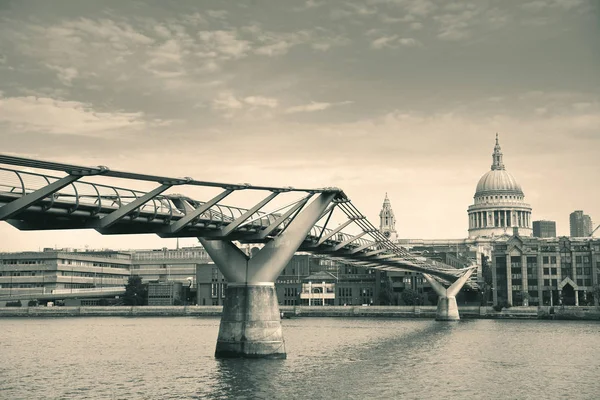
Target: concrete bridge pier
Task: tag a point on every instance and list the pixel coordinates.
(447, 309)
(250, 323)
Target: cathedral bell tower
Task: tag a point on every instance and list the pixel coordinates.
(387, 221)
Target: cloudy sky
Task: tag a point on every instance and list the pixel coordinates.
(396, 96)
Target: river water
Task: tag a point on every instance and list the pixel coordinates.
(328, 358)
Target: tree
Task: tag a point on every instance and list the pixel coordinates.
(136, 293)
(486, 285)
(433, 297)
(410, 297)
(596, 294)
(386, 293)
(525, 296)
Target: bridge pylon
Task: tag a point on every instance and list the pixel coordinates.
(250, 322)
(447, 309)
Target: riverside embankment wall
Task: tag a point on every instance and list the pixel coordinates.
(466, 312)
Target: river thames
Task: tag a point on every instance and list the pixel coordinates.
(328, 358)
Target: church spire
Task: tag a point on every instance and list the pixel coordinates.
(497, 156)
(387, 220)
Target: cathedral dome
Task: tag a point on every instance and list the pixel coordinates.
(498, 181)
(499, 203)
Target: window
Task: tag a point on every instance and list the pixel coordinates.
(579, 270)
(553, 271)
(587, 271)
(578, 259)
(553, 260)
(546, 271)
(545, 259)
(546, 282)
(214, 290)
(579, 282)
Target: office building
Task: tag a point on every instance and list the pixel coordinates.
(580, 224)
(544, 229)
(545, 271)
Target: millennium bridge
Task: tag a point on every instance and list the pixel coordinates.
(33, 197)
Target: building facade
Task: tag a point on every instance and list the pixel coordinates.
(545, 271)
(165, 294)
(544, 229)
(61, 271)
(499, 203)
(344, 284)
(169, 265)
(580, 224)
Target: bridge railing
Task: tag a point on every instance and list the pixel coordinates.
(98, 195)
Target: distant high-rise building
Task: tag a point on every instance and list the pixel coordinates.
(587, 225)
(544, 229)
(580, 224)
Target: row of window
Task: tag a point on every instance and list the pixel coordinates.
(161, 255)
(216, 288)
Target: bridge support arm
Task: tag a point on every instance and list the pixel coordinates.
(20, 204)
(250, 323)
(447, 309)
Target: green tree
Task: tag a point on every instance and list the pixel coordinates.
(410, 297)
(136, 293)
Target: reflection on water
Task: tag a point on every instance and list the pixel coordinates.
(327, 358)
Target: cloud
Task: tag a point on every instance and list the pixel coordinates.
(107, 29)
(313, 106)
(47, 115)
(538, 5)
(419, 8)
(394, 41)
(409, 42)
(456, 26)
(309, 4)
(384, 41)
(261, 101)
(64, 74)
(227, 101)
(225, 43)
(217, 14)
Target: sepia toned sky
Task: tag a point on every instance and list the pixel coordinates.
(396, 96)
